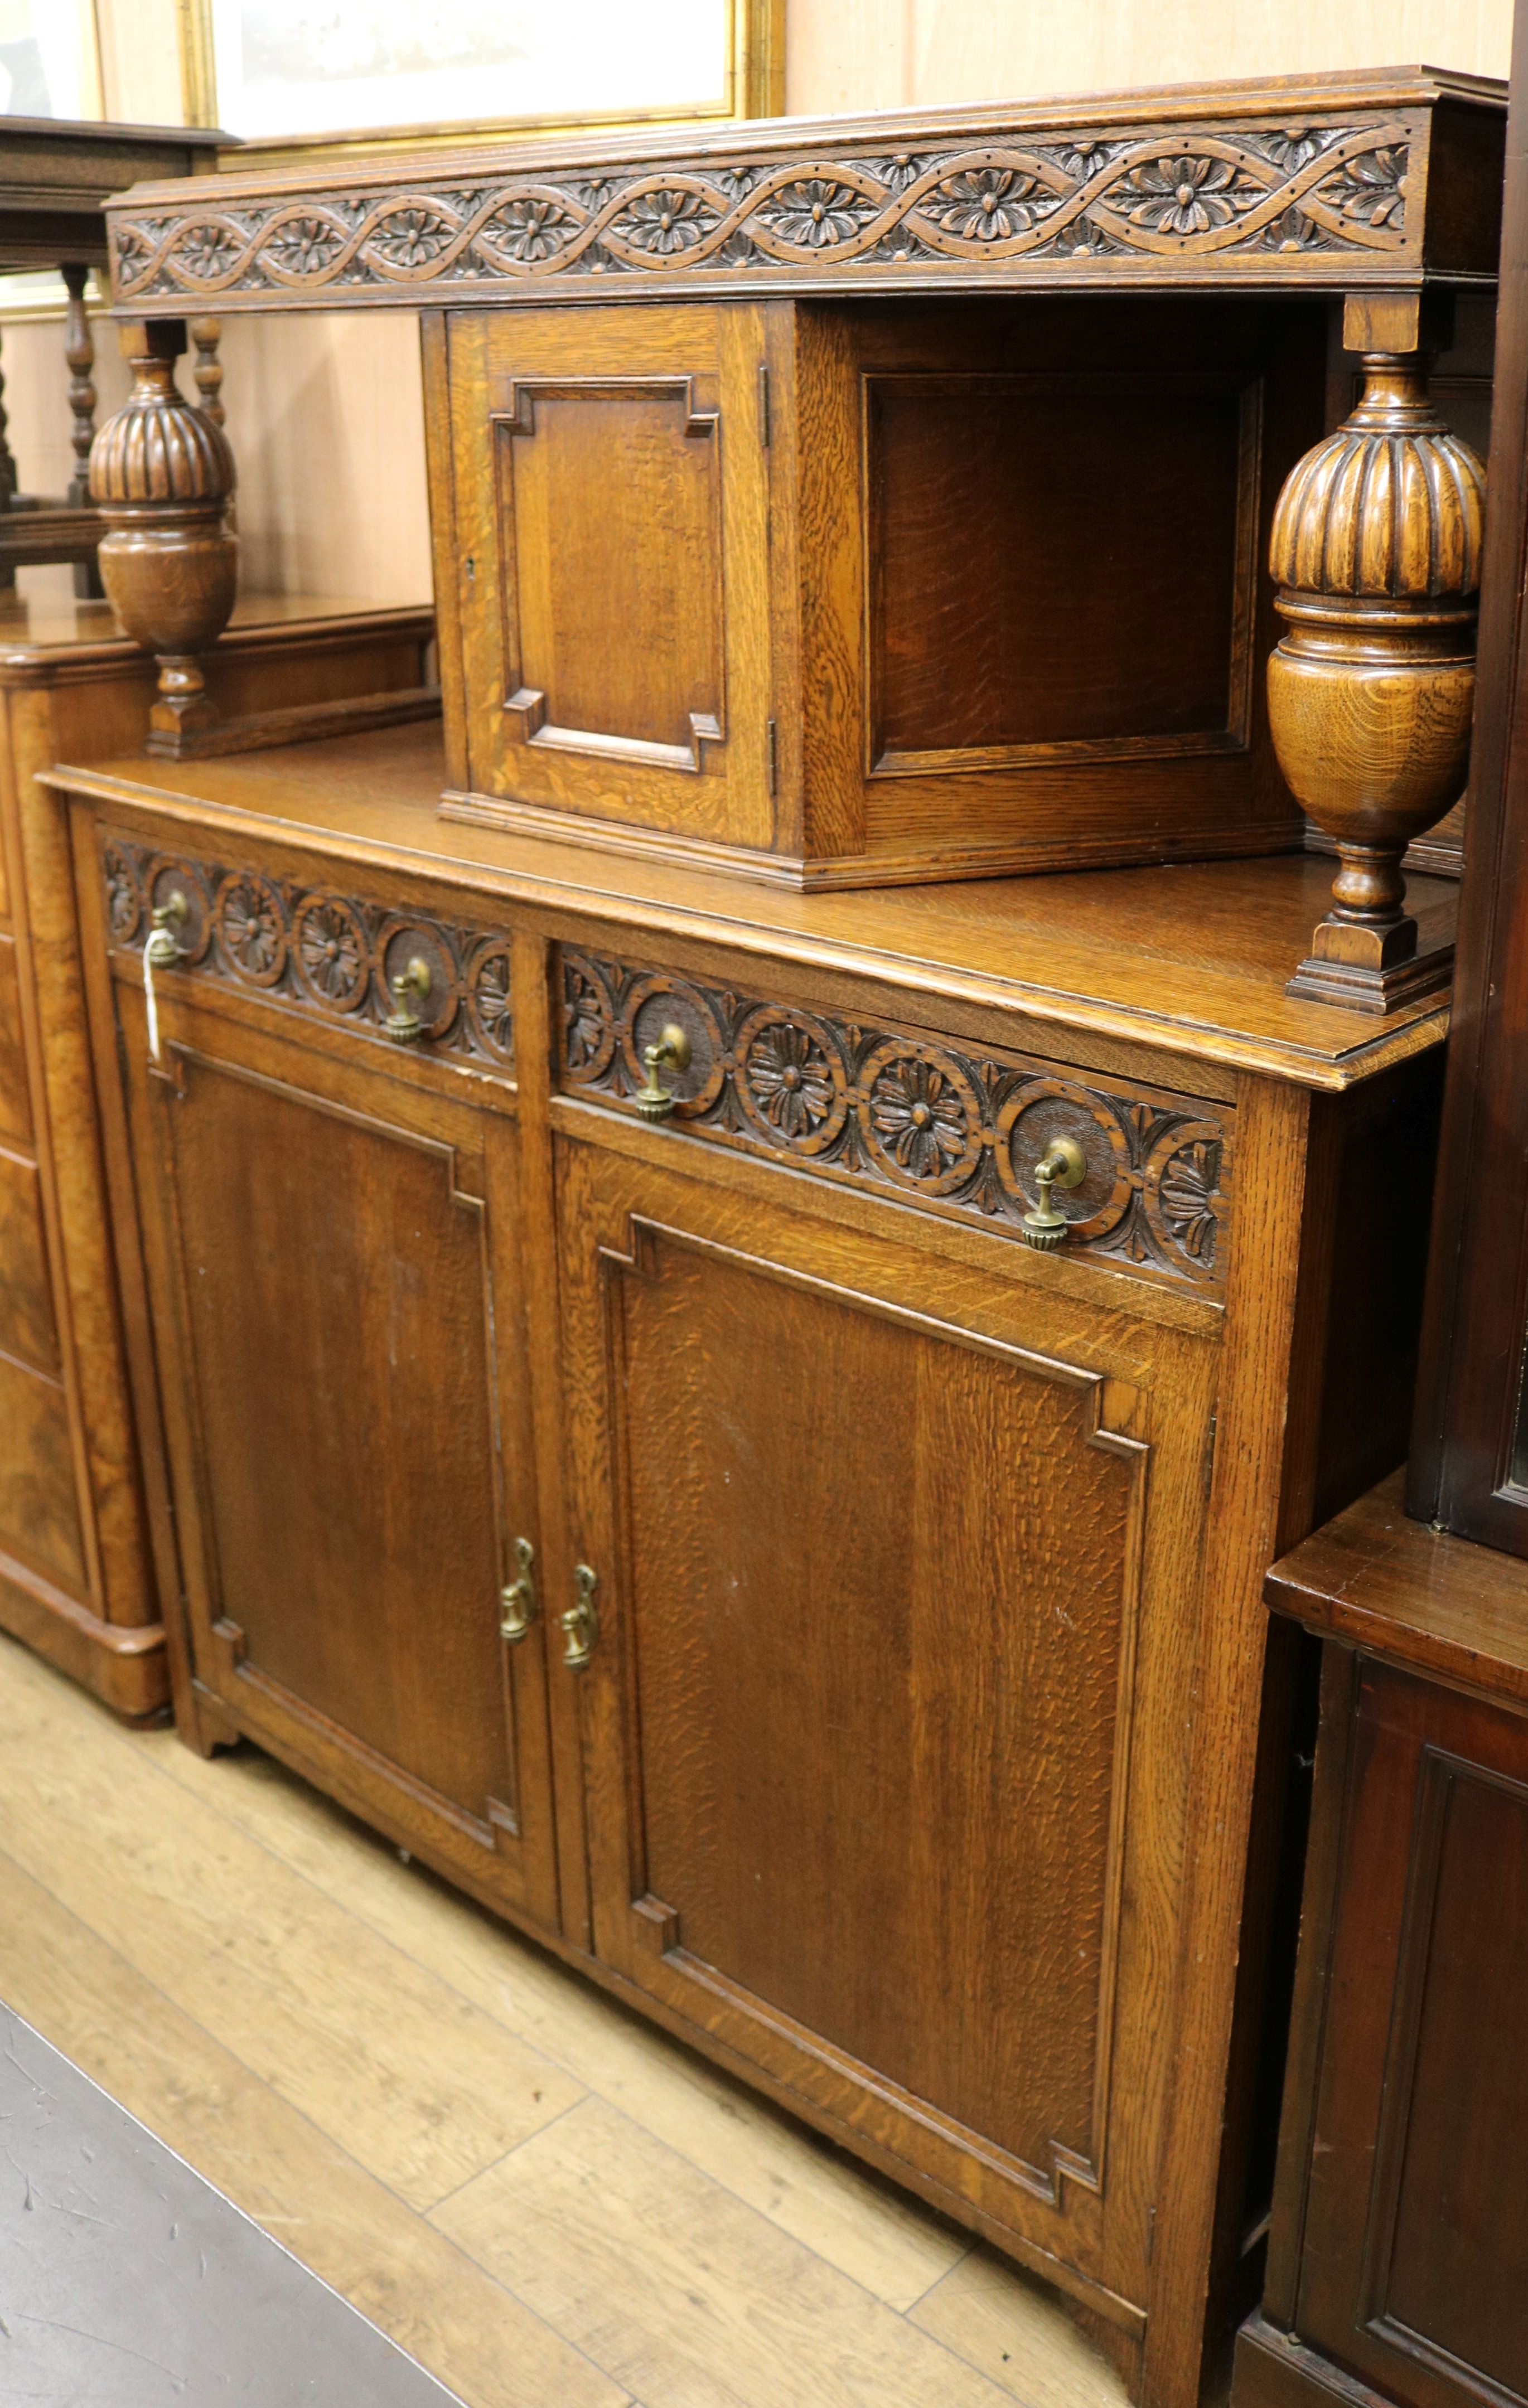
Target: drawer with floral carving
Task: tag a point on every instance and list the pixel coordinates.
(323, 949)
(901, 1112)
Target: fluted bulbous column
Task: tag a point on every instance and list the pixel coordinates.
(1375, 550)
(162, 473)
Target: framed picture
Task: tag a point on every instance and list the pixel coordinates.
(50, 59)
(306, 74)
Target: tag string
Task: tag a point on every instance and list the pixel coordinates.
(151, 1005)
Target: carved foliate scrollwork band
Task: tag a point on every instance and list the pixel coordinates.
(912, 1116)
(1170, 192)
(332, 953)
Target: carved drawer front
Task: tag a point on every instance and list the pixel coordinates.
(913, 1116)
(324, 949)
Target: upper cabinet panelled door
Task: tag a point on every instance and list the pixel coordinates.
(611, 500)
(332, 1266)
(890, 1559)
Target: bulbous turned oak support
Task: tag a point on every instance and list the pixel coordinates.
(1376, 549)
(161, 473)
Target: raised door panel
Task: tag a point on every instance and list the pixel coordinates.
(39, 1498)
(1075, 679)
(334, 1251)
(875, 1562)
(15, 1096)
(973, 665)
(610, 505)
(27, 1325)
(1415, 2251)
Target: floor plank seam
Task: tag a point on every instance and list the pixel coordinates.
(969, 2251)
(480, 2173)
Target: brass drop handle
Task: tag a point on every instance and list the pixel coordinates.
(655, 1101)
(163, 949)
(582, 1620)
(404, 1025)
(518, 1599)
(1064, 1164)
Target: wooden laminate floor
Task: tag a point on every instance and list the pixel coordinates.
(549, 2205)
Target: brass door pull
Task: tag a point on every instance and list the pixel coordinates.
(163, 949)
(518, 1599)
(582, 1621)
(655, 1101)
(1064, 1164)
(404, 1025)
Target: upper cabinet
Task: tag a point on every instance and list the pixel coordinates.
(914, 524)
(857, 595)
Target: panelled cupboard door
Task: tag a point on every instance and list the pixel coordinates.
(611, 510)
(1415, 2256)
(332, 1266)
(893, 1552)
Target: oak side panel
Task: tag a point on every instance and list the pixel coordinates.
(1244, 1530)
(85, 1270)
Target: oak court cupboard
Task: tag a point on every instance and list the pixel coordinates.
(739, 1260)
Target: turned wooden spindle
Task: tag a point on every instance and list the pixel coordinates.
(161, 473)
(1376, 549)
(206, 333)
(8, 478)
(79, 357)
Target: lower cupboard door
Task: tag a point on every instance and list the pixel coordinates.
(335, 1292)
(892, 1551)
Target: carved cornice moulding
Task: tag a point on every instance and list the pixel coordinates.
(1325, 182)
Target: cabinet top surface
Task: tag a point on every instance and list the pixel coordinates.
(1190, 958)
(1322, 182)
(42, 639)
(1412, 1593)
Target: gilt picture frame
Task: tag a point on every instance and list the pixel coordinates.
(295, 81)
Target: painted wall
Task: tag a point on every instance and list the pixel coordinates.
(851, 54)
(325, 413)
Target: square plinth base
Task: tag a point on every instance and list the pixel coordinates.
(1359, 988)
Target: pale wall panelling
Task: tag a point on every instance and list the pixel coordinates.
(327, 418)
(849, 55)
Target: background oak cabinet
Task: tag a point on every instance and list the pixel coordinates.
(1398, 2259)
(334, 1277)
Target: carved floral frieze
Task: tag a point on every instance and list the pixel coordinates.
(921, 1119)
(1170, 193)
(331, 952)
